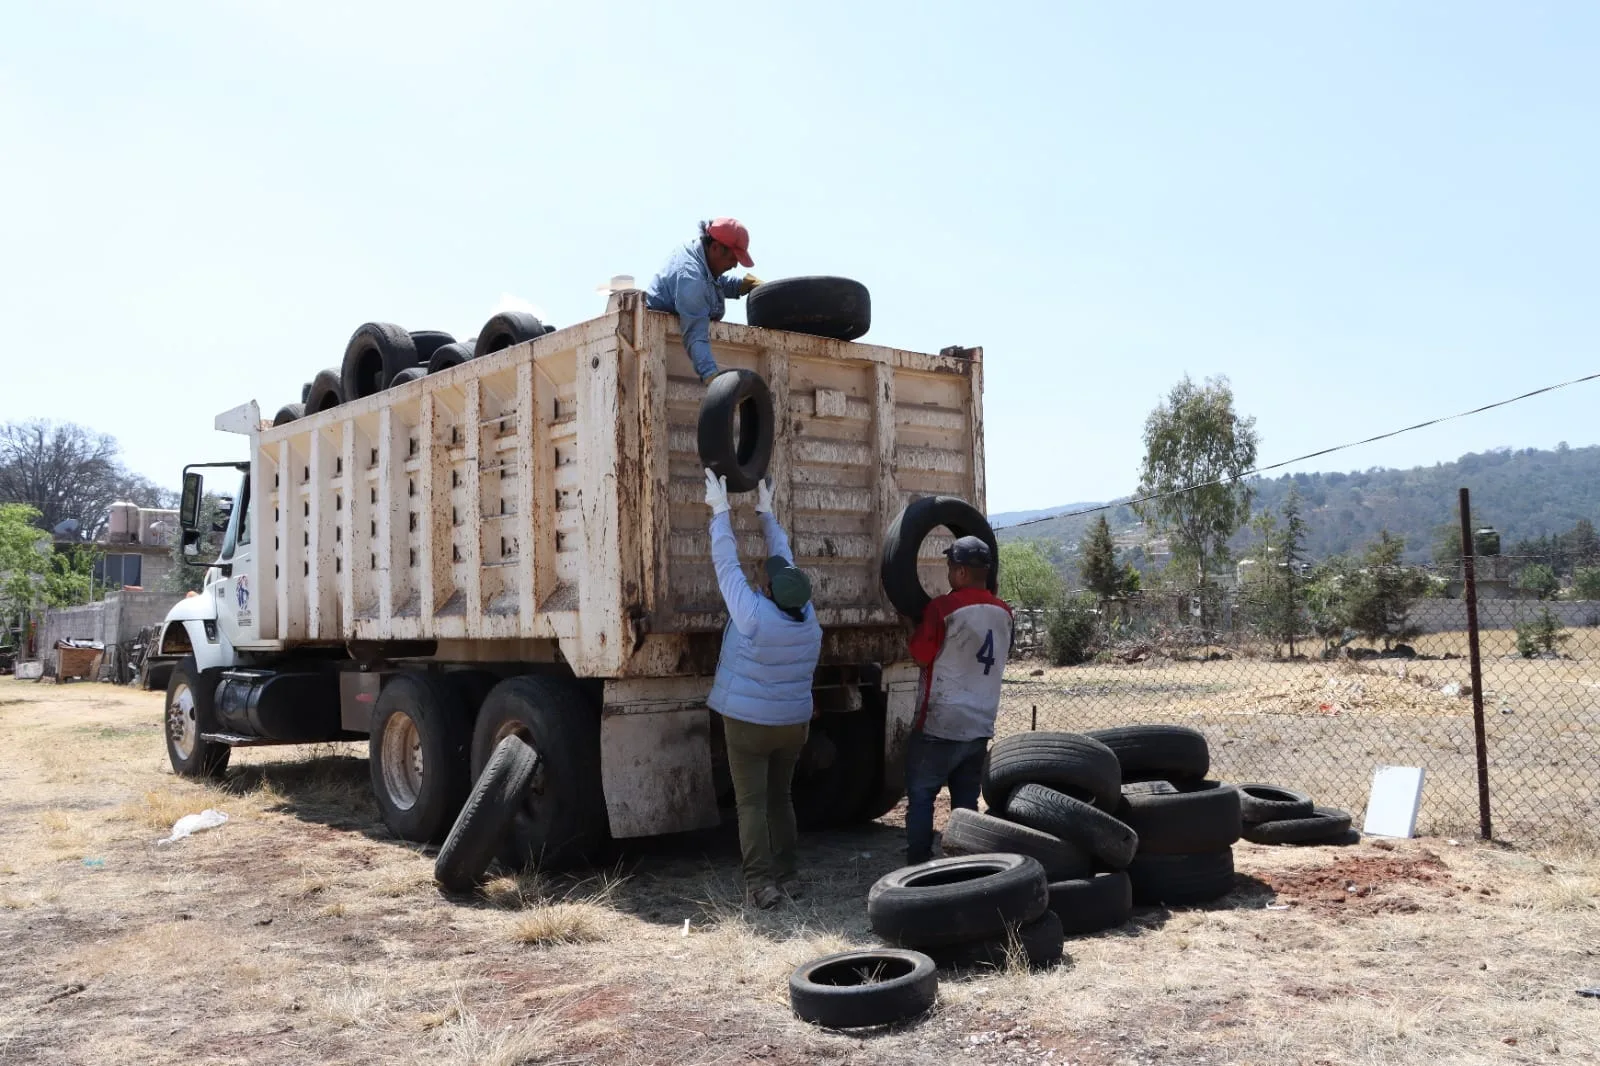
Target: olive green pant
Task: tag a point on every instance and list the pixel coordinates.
(761, 760)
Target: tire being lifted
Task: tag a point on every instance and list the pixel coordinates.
(820, 306)
(741, 455)
(903, 544)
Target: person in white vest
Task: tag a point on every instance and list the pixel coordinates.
(961, 643)
(762, 691)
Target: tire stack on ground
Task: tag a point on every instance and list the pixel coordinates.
(967, 911)
(1276, 815)
(1187, 824)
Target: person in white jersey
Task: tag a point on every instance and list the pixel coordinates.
(961, 644)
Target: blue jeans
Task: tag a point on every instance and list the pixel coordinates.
(931, 763)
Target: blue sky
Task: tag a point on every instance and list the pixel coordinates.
(1364, 214)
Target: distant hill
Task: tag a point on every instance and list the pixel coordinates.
(1524, 494)
(1008, 518)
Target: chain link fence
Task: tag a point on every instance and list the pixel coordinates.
(1322, 719)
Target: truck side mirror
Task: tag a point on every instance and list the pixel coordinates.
(189, 507)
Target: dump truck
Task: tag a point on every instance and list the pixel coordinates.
(518, 545)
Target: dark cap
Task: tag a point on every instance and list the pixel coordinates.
(969, 551)
(791, 588)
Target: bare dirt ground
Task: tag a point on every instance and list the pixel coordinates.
(299, 932)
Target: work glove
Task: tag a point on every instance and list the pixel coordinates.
(716, 493)
(748, 282)
(706, 379)
(764, 496)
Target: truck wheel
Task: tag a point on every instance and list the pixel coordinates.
(417, 754)
(740, 455)
(449, 355)
(326, 392)
(840, 308)
(376, 353)
(190, 712)
(562, 821)
(506, 329)
(902, 545)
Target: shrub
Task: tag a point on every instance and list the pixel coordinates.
(1072, 630)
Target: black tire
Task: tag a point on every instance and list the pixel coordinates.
(189, 711)
(1204, 818)
(855, 989)
(481, 826)
(1093, 904)
(376, 353)
(1067, 762)
(1041, 943)
(972, 833)
(1148, 788)
(740, 457)
(406, 376)
(448, 355)
(957, 900)
(1158, 752)
(1272, 803)
(1181, 879)
(506, 329)
(838, 770)
(289, 412)
(326, 392)
(820, 306)
(562, 821)
(428, 341)
(305, 392)
(1104, 836)
(903, 543)
(417, 756)
(1324, 823)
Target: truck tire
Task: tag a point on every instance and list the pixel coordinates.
(957, 900)
(1072, 763)
(289, 412)
(481, 827)
(1272, 803)
(189, 713)
(417, 755)
(1092, 904)
(1041, 943)
(1172, 753)
(428, 341)
(1325, 824)
(1104, 836)
(448, 355)
(854, 989)
(1182, 879)
(562, 820)
(326, 392)
(838, 770)
(376, 353)
(506, 329)
(1205, 818)
(903, 543)
(840, 308)
(305, 392)
(408, 375)
(972, 833)
(741, 455)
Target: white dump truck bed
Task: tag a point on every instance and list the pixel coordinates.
(546, 501)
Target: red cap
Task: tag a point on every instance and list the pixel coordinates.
(731, 231)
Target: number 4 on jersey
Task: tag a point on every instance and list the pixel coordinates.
(986, 653)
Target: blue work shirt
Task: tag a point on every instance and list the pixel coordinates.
(685, 285)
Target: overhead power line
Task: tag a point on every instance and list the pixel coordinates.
(1302, 458)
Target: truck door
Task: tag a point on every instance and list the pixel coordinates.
(235, 592)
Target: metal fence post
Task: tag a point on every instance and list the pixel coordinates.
(1470, 592)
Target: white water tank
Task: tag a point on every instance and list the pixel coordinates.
(124, 522)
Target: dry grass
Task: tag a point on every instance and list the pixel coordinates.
(299, 933)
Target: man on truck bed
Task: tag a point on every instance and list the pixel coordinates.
(692, 285)
(961, 644)
(763, 692)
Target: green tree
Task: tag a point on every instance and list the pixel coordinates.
(67, 579)
(189, 575)
(1100, 570)
(1326, 601)
(1378, 596)
(1072, 630)
(1026, 577)
(1582, 544)
(1273, 593)
(1197, 451)
(1540, 580)
(1542, 634)
(1586, 583)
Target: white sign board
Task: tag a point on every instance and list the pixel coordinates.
(1392, 807)
(30, 671)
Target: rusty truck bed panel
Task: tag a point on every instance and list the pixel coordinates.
(553, 492)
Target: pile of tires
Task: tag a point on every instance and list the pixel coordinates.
(1186, 823)
(381, 355)
(969, 911)
(1276, 815)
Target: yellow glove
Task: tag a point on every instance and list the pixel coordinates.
(750, 281)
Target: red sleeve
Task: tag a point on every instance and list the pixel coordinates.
(929, 635)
